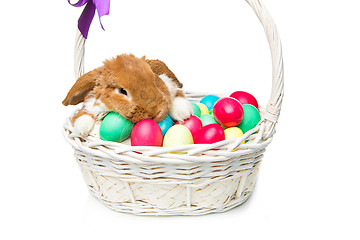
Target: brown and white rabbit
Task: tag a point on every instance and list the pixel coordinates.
(135, 88)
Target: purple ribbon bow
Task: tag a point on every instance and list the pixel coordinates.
(102, 7)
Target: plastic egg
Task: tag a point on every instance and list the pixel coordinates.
(209, 101)
(203, 109)
(194, 124)
(207, 119)
(115, 128)
(147, 133)
(245, 98)
(166, 124)
(251, 118)
(196, 109)
(178, 135)
(210, 134)
(233, 132)
(228, 112)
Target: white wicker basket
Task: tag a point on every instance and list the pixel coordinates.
(208, 178)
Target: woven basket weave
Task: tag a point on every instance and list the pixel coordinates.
(207, 178)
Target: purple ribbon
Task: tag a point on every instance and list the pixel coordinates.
(102, 7)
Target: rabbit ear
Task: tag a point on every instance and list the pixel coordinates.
(159, 67)
(82, 86)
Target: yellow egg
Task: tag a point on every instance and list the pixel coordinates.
(203, 108)
(178, 135)
(233, 132)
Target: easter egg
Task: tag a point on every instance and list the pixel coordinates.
(178, 135)
(207, 119)
(115, 128)
(194, 124)
(228, 112)
(233, 132)
(251, 118)
(203, 108)
(209, 101)
(165, 124)
(147, 133)
(245, 98)
(196, 109)
(210, 134)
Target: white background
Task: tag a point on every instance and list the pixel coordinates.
(308, 186)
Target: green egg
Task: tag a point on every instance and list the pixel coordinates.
(251, 118)
(115, 128)
(207, 119)
(196, 109)
(212, 114)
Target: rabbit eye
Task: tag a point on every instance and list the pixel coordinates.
(121, 91)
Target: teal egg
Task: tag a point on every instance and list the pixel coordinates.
(209, 101)
(207, 119)
(251, 118)
(196, 108)
(115, 128)
(166, 124)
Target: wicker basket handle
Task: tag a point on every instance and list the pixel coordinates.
(274, 104)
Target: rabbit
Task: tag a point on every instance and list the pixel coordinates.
(136, 88)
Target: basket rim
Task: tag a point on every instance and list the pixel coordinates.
(215, 152)
(218, 151)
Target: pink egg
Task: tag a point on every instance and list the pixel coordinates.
(245, 98)
(228, 112)
(146, 133)
(194, 124)
(210, 134)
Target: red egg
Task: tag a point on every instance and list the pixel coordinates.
(228, 112)
(211, 133)
(146, 133)
(245, 98)
(194, 124)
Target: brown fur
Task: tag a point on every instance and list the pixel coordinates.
(79, 114)
(150, 97)
(160, 67)
(81, 88)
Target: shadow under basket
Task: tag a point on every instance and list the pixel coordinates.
(204, 179)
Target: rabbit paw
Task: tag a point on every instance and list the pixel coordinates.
(181, 109)
(83, 125)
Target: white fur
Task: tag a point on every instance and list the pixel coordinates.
(181, 109)
(95, 107)
(83, 125)
(170, 85)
